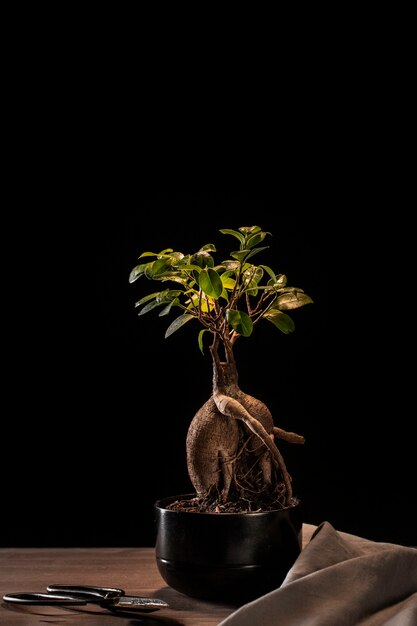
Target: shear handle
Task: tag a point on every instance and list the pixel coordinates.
(44, 598)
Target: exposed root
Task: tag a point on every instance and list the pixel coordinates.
(287, 436)
(232, 408)
(212, 504)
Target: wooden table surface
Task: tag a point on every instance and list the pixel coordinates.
(132, 569)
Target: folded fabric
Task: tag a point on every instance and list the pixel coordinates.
(340, 580)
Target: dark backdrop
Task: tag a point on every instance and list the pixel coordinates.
(97, 403)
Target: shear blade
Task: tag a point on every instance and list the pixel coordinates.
(135, 603)
(88, 592)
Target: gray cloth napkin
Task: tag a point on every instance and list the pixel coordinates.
(340, 580)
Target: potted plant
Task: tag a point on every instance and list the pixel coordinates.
(238, 533)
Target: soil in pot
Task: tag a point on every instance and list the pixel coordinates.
(225, 556)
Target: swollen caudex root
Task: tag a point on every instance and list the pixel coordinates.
(231, 454)
(212, 446)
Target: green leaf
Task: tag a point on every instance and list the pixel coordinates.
(210, 282)
(174, 277)
(251, 278)
(209, 247)
(175, 258)
(148, 307)
(255, 251)
(160, 254)
(224, 295)
(228, 231)
(206, 305)
(252, 275)
(269, 271)
(160, 266)
(289, 301)
(168, 307)
(174, 293)
(231, 265)
(281, 320)
(240, 254)
(228, 283)
(240, 322)
(151, 296)
(137, 272)
(200, 339)
(163, 297)
(184, 260)
(148, 254)
(257, 238)
(250, 229)
(177, 323)
(278, 283)
(202, 259)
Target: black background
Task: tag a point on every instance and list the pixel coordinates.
(96, 403)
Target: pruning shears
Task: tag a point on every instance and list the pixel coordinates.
(111, 598)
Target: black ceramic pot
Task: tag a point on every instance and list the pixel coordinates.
(225, 556)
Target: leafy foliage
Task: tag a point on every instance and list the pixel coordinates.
(227, 299)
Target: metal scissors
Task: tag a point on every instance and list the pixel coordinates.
(111, 598)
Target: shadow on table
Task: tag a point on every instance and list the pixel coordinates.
(91, 617)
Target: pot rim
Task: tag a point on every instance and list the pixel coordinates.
(162, 502)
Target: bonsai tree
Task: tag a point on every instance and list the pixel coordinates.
(233, 459)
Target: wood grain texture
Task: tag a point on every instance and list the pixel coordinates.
(132, 569)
